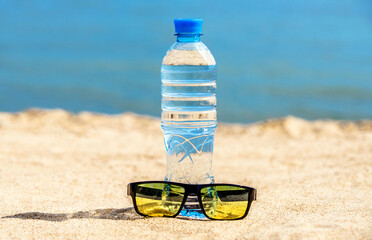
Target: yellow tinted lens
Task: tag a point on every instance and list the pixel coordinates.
(159, 199)
(224, 202)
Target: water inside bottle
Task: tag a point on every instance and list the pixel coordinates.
(188, 124)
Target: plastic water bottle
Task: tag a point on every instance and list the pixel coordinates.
(189, 117)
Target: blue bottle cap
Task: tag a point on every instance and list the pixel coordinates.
(188, 25)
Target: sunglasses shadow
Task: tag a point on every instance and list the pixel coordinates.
(110, 213)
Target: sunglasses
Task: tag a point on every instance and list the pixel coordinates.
(166, 199)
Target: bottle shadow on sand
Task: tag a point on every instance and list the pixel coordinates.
(112, 214)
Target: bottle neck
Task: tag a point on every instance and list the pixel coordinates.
(188, 37)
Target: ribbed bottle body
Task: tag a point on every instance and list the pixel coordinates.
(189, 121)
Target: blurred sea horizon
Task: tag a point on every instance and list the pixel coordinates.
(307, 59)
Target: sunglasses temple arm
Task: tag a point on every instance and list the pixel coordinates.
(129, 190)
(253, 195)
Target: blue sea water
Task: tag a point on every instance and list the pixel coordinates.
(311, 59)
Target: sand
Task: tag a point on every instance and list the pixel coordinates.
(64, 176)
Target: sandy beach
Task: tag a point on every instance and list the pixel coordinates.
(64, 176)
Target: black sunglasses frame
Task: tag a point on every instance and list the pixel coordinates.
(192, 188)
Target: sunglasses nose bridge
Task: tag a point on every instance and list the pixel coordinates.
(192, 189)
